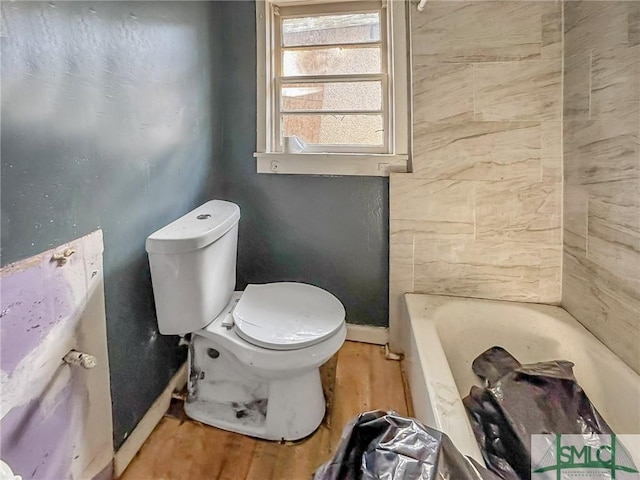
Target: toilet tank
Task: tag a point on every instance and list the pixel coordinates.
(193, 266)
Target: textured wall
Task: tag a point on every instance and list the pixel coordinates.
(108, 119)
(480, 216)
(601, 268)
(328, 231)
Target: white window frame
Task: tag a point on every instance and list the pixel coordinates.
(393, 157)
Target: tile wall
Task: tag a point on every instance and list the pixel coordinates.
(601, 265)
(480, 216)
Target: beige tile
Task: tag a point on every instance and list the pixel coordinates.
(550, 275)
(434, 208)
(477, 269)
(615, 85)
(576, 201)
(551, 17)
(600, 151)
(400, 272)
(551, 151)
(616, 221)
(577, 85)
(518, 91)
(619, 258)
(477, 150)
(519, 211)
(633, 22)
(477, 31)
(551, 143)
(595, 25)
(401, 262)
(621, 192)
(603, 304)
(443, 92)
(613, 240)
(551, 169)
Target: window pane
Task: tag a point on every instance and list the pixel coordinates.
(364, 130)
(332, 96)
(331, 61)
(331, 29)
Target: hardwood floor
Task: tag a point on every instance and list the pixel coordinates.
(357, 379)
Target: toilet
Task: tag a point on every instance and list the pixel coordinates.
(254, 356)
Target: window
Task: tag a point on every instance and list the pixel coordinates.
(332, 92)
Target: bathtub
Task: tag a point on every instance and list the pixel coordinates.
(443, 335)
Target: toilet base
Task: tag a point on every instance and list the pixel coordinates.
(226, 394)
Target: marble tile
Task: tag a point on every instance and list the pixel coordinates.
(400, 272)
(511, 91)
(477, 150)
(620, 192)
(575, 212)
(613, 237)
(577, 86)
(432, 208)
(615, 84)
(477, 269)
(519, 211)
(401, 262)
(617, 222)
(550, 275)
(443, 92)
(597, 151)
(551, 143)
(602, 304)
(598, 279)
(619, 258)
(477, 31)
(551, 151)
(633, 24)
(551, 17)
(595, 25)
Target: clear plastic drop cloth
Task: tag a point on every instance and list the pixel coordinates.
(387, 446)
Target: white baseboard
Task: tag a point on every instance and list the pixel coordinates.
(145, 426)
(367, 334)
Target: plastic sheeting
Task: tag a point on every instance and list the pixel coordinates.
(521, 400)
(379, 445)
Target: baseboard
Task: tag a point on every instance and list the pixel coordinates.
(367, 334)
(145, 426)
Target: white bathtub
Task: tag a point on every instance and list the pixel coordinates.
(446, 334)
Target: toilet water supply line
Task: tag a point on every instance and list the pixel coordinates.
(421, 5)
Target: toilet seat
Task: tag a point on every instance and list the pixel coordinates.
(287, 315)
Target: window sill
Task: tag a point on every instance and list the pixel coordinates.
(370, 165)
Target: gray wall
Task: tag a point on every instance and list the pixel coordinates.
(328, 231)
(125, 115)
(109, 119)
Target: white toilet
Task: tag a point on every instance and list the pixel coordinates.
(254, 356)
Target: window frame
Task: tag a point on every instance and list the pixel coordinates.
(285, 12)
(367, 160)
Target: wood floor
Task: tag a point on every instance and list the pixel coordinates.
(357, 379)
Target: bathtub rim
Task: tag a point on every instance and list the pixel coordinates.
(425, 364)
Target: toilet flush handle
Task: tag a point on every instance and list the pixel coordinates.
(227, 321)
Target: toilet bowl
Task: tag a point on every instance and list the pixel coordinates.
(254, 356)
(266, 393)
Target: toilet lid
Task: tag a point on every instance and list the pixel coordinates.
(287, 316)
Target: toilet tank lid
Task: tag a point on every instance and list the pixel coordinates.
(196, 229)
